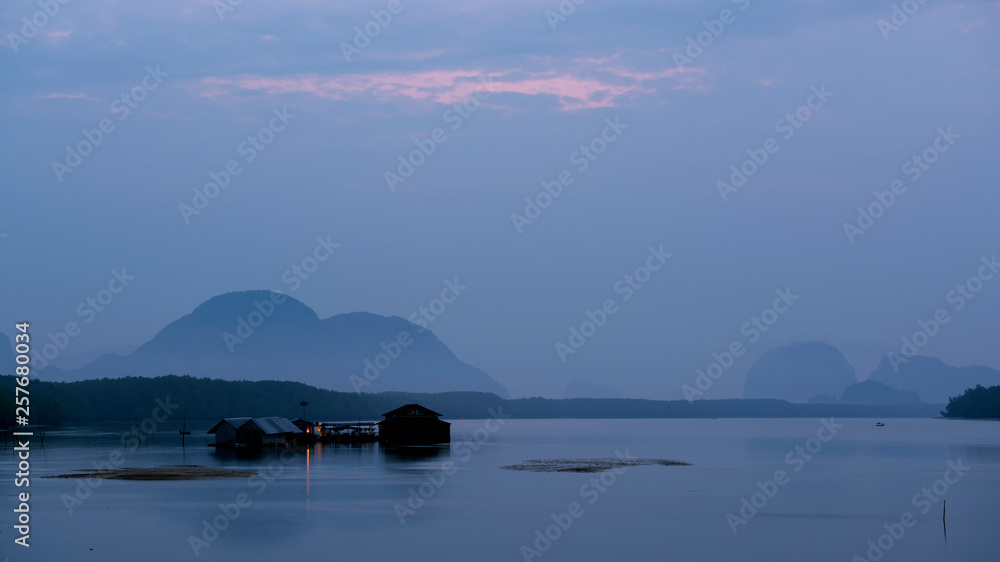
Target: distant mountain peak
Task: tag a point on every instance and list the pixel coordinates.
(922, 360)
(931, 378)
(799, 371)
(263, 335)
(874, 392)
(243, 303)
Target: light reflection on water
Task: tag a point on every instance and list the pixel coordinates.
(341, 501)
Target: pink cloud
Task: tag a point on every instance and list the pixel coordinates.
(607, 87)
(73, 96)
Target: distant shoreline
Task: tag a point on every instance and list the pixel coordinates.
(135, 398)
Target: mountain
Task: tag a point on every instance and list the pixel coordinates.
(874, 392)
(6, 355)
(798, 371)
(261, 335)
(929, 377)
(66, 361)
(582, 388)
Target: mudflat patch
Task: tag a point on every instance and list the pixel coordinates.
(586, 465)
(168, 472)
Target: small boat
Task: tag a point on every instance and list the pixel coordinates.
(879, 424)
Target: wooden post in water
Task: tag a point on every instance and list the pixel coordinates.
(184, 430)
(944, 523)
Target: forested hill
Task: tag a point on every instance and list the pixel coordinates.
(978, 402)
(345, 352)
(211, 399)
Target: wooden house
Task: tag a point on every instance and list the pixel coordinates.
(225, 431)
(312, 429)
(254, 432)
(413, 424)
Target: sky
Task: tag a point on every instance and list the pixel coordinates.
(680, 168)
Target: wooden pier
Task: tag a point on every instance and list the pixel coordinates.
(348, 432)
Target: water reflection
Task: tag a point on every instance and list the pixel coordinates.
(405, 455)
(229, 454)
(989, 453)
(312, 456)
(311, 502)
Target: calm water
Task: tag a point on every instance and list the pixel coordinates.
(340, 503)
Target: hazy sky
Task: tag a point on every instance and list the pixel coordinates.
(838, 103)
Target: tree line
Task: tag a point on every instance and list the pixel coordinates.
(978, 402)
(205, 399)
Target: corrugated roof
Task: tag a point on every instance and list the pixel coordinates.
(270, 426)
(235, 422)
(274, 425)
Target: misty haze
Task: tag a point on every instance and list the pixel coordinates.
(558, 280)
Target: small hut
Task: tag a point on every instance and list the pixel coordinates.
(225, 431)
(254, 432)
(413, 424)
(313, 429)
(266, 432)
